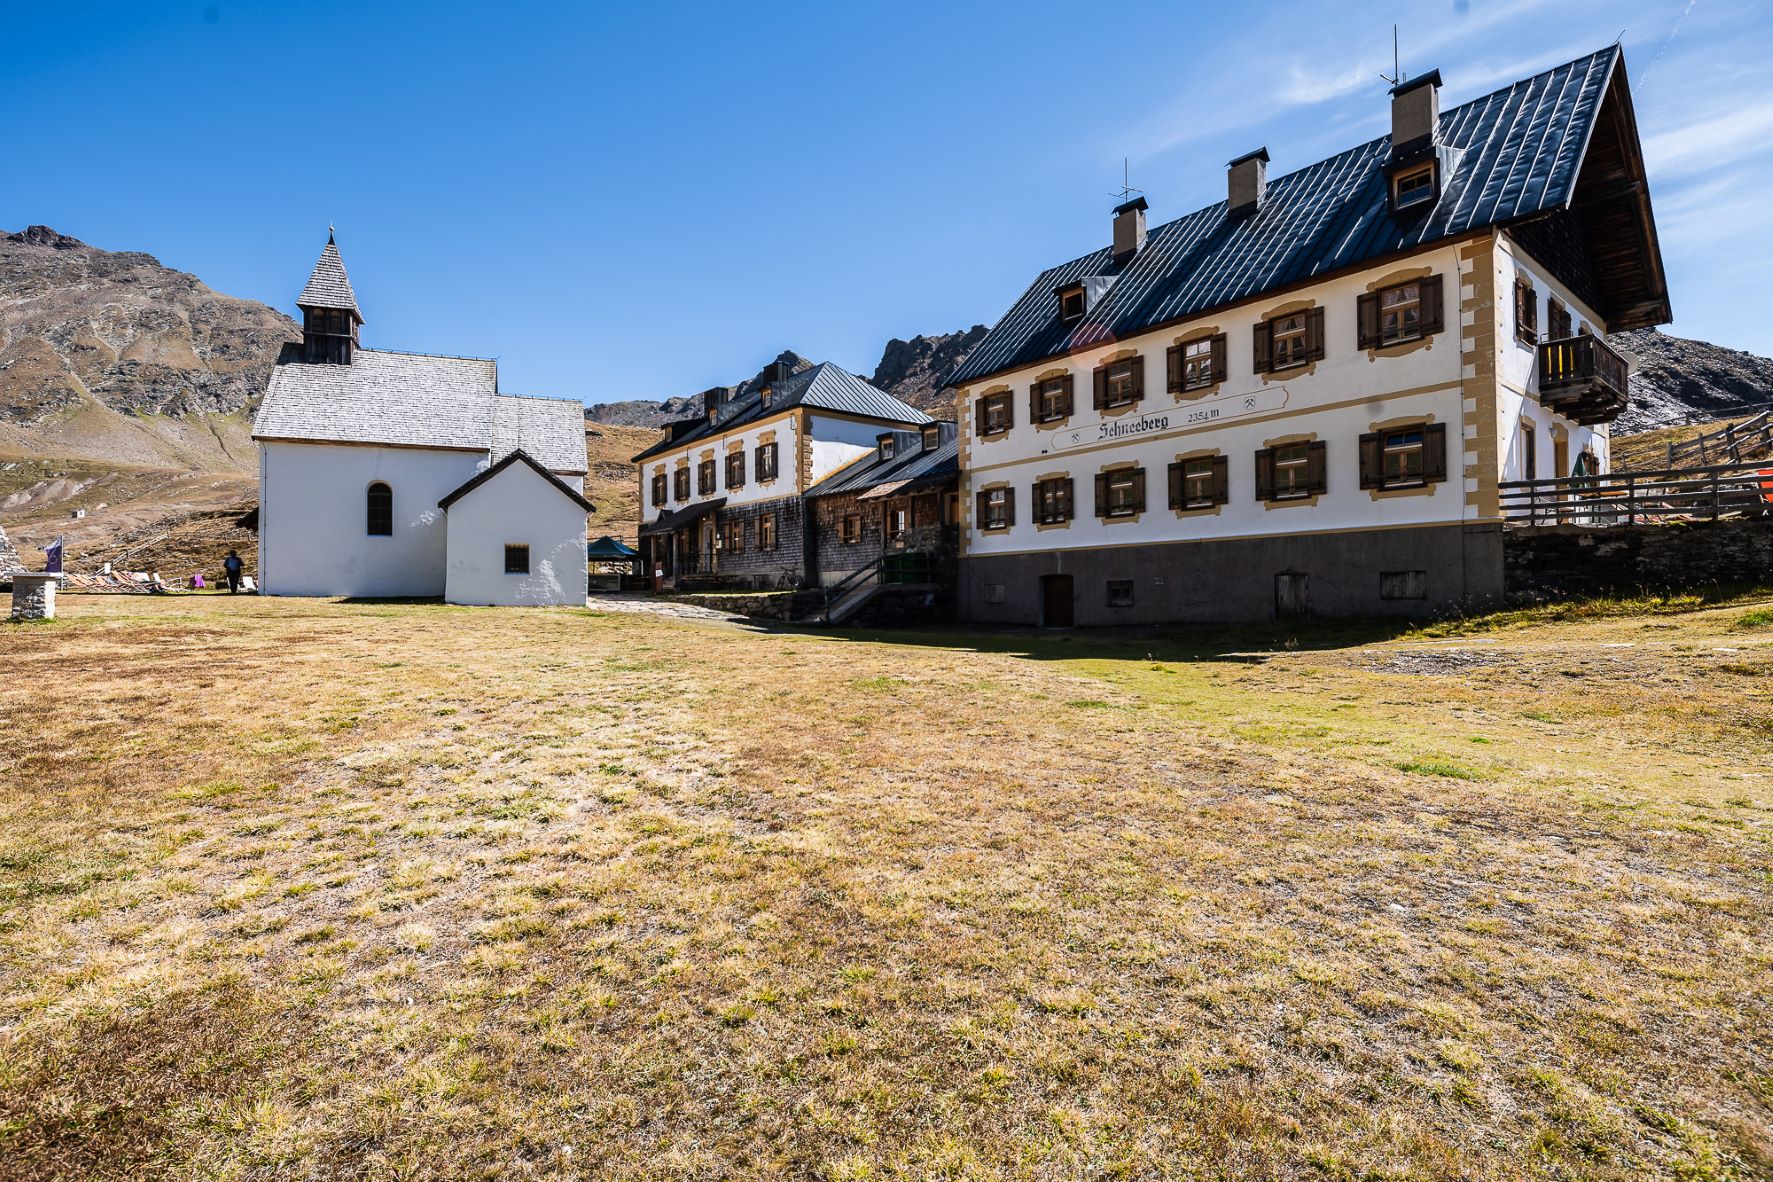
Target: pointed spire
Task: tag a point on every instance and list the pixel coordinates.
(329, 286)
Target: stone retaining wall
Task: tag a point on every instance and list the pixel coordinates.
(776, 605)
(1554, 562)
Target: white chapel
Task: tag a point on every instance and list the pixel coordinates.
(386, 474)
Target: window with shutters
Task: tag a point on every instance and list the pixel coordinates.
(1557, 321)
(1052, 500)
(1120, 383)
(766, 532)
(733, 537)
(1400, 313)
(735, 469)
(995, 510)
(1288, 336)
(1052, 399)
(1120, 593)
(1289, 341)
(1197, 363)
(705, 478)
(1400, 455)
(516, 559)
(898, 523)
(765, 465)
(658, 489)
(994, 414)
(680, 483)
(1290, 476)
(1411, 455)
(1526, 312)
(1071, 302)
(1120, 492)
(380, 506)
(1198, 483)
(851, 529)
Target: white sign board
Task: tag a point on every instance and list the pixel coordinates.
(1187, 417)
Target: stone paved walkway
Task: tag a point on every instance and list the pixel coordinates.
(605, 601)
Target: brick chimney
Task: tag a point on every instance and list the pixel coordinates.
(1246, 183)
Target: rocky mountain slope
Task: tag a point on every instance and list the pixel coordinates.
(1678, 379)
(111, 356)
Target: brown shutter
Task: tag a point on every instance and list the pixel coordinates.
(1138, 490)
(1372, 460)
(1265, 474)
(1067, 399)
(1009, 507)
(1263, 353)
(1067, 487)
(1316, 477)
(1034, 403)
(1138, 364)
(1173, 365)
(1009, 410)
(1431, 305)
(1314, 335)
(1221, 480)
(1434, 452)
(979, 517)
(1101, 494)
(1176, 485)
(1101, 380)
(1367, 318)
(1219, 357)
(979, 417)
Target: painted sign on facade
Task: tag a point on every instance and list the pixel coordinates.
(1188, 417)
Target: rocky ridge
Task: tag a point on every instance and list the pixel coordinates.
(1680, 380)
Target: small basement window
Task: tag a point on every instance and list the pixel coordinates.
(1120, 593)
(1071, 302)
(516, 558)
(1412, 187)
(1403, 584)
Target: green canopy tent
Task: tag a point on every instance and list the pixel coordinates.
(610, 562)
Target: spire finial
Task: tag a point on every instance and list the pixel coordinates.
(329, 233)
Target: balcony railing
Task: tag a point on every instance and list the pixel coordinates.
(1642, 498)
(1583, 379)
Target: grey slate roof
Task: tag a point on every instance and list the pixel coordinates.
(1516, 153)
(825, 386)
(517, 457)
(550, 429)
(910, 466)
(329, 286)
(417, 400)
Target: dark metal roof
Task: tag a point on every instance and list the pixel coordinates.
(678, 518)
(524, 457)
(823, 387)
(910, 463)
(1513, 154)
(329, 286)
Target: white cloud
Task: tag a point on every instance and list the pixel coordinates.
(1727, 140)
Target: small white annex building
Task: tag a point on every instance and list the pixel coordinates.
(387, 474)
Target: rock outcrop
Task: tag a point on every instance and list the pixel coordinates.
(1679, 380)
(913, 370)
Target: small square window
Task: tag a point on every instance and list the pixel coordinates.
(1071, 303)
(886, 447)
(1413, 187)
(516, 558)
(1120, 593)
(852, 529)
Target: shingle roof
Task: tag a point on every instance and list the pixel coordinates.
(550, 429)
(517, 457)
(825, 386)
(1515, 153)
(909, 466)
(329, 286)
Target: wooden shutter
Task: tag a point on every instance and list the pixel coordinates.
(1218, 349)
(1009, 409)
(1066, 486)
(1314, 335)
(1316, 475)
(1176, 485)
(1173, 366)
(979, 417)
(1434, 452)
(1101, 380)
(1138, 490)
(1221, 480)
(1065, 398)
(1265, 474)
(1034, 402)
(1262, 356)
(1367, 318)
(1138, 364)
(1101, 494)
(1009, 507)
(979, 517)
(1372, 459)
(1430, 312)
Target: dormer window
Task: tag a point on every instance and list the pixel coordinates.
(767, 397)
(886, 447)
(932, 437)
(1071, 302)
(1412, 187)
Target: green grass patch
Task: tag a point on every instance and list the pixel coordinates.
(1442, 767)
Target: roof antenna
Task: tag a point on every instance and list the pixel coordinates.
(1396, 75)
(1126, 182)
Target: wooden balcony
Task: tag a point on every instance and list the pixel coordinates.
(1583, 379)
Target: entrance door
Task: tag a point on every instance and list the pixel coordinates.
(1055, 601)
(1291, 594)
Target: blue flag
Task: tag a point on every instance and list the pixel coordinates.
(53, 556)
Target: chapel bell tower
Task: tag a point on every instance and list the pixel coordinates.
(329, 311)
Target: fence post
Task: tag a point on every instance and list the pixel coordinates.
(1631, 499)
(1715, 497)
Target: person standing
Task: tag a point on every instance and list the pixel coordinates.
(231, 566)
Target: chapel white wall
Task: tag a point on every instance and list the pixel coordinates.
(517, 506)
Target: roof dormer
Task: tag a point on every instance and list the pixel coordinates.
(1415, 171)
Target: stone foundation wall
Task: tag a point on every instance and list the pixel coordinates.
(781, 605)
(1554, 562)
(33, 598)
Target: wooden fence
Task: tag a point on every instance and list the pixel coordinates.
(1642, 498)
(1734, 443)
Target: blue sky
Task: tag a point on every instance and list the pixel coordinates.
(644, 200)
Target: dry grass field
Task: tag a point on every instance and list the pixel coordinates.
(296, 889)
